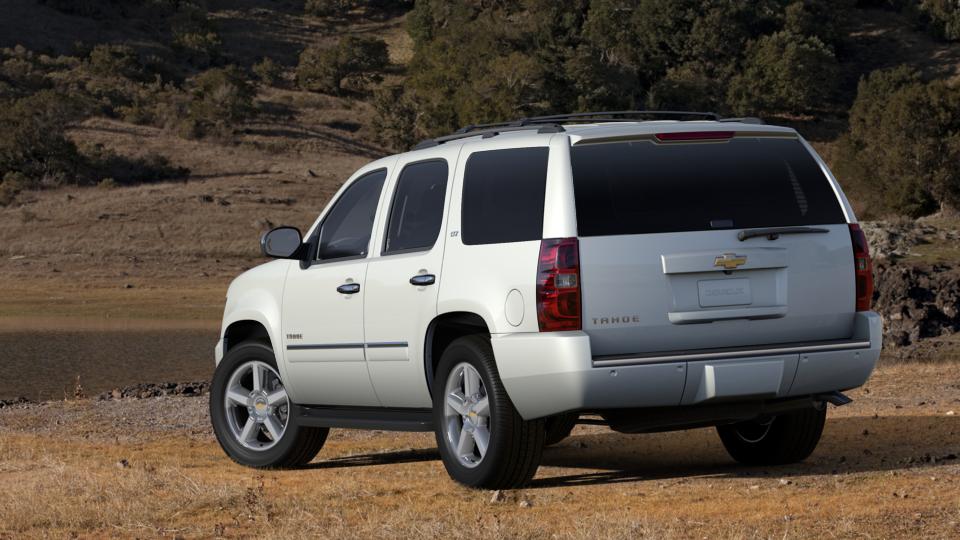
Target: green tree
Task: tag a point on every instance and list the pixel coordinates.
(324, 69)
(221, 98)
(902, 149)
(784, 72)
(33, 141)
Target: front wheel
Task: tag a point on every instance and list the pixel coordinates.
(778, 440)
(252, 413)
(483, 441)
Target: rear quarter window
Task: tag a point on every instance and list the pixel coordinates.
(503, 192)
(642, 186)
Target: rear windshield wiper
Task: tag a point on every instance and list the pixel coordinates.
(775, 232)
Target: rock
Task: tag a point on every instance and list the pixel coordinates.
(123, 464)
(128, 286)
(950, 413)
(497, 496)
(152, 390)
(15, 401)
(525, 504)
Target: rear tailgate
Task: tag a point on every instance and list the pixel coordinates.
(662, 267)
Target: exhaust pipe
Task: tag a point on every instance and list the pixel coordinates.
(838, 399)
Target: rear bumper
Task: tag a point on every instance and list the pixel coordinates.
(549, 373)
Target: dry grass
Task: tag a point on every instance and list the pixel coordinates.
(883, 470)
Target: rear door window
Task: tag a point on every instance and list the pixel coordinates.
(503, 193)
(417, 208)
(639, 187)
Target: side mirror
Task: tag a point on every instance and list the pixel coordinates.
(281, 243)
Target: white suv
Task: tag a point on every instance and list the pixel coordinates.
(495, 284)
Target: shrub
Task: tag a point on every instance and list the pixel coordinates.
(12, 183)
(396, 119)
(195, 37)
(213, 103)
(107, 169)
(903, 144)
(267, 71)
(325, 8)
(324, 69)
(33, 141)
(107, 60)
(944, 18)
(784, 72)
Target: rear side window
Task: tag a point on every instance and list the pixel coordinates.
(345, 232)
(642, 187)
(417, 208)
(503, 193)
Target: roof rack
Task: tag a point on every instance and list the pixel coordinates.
(553, 123)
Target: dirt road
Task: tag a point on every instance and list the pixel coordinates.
(887, 467)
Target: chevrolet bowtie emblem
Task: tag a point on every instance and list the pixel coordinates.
(730, 261)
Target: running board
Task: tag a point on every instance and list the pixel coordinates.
(385, 418)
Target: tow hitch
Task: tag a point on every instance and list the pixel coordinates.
(836, 398)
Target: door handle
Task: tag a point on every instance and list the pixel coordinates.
(423, 279)
(349, 288)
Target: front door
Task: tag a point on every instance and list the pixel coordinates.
(323, 303)
(402, 283)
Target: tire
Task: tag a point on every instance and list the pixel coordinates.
(513, 446)
(257, 447)
(788, 438)
(559, 427)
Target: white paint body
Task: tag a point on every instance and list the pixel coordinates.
(377, 338)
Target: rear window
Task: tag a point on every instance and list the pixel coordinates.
(642, 187)
(503, 194)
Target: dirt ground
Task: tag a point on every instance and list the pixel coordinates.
(887, 467)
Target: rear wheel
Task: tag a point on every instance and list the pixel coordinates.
(559, 427)
(777, 440)
(483, 441)
(251, 412)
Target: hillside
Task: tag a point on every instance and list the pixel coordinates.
(115, 249)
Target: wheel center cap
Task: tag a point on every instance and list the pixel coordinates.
(260, 405)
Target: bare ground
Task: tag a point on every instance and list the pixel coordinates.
(887, 467)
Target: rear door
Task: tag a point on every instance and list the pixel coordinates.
(402, 283)
(662, 267)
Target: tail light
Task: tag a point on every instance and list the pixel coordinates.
(558, 285)
(862, 267)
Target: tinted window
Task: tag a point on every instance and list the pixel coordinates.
(503, 194)
(345, 231)
(417, 207)
(644, 187)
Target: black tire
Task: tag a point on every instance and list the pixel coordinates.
(559, 427)
(298, 445)
(515, 445)
(789, 438)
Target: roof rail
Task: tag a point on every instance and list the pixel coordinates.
(553, 123)
(488, 130)
(744, 120)
(617, 116)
